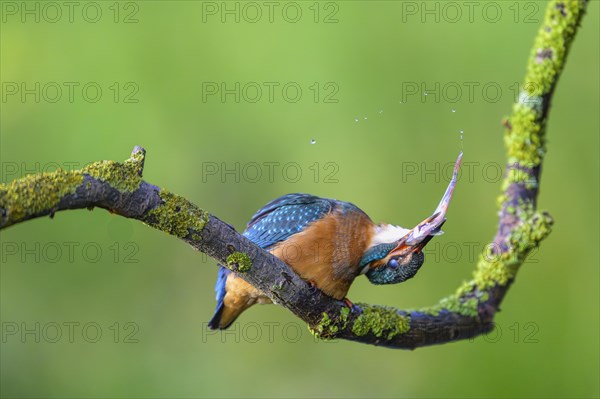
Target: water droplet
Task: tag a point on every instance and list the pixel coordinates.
(381, 111)
(365, 118)
(453, 110)
(462, 131)
(425, 93)
(313, 141)
(355, 119)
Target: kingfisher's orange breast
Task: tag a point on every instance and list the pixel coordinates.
(328, 251)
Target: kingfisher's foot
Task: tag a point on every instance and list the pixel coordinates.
(353, 307)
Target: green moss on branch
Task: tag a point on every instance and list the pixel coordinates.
(498, 268)
(524, 138)
(380, 321)
(40, 194)
(33, 195)
(177, 216)
(456, 304)
(328, 327)
(239, 261)
(125, 177)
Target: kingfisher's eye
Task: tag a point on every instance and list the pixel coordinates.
(393, 263)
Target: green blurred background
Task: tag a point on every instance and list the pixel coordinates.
(376, 143)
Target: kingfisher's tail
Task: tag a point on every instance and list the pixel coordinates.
(224, 316)
(229, 304)
(221, 291)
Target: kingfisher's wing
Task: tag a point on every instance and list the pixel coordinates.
(284, 217)
(276, 222)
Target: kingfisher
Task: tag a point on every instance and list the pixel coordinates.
(328, 243)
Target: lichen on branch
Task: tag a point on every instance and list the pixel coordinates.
(34, 195)
(41, 194)
(525, 134)
(176, 216)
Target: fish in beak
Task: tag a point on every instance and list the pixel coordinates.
(416, 239)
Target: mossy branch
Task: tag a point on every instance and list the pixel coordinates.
(119, 188)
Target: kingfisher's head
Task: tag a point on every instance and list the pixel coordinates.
(391, 263)
(397, 270)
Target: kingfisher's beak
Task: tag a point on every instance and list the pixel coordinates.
(413, 243)
(416, 239)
